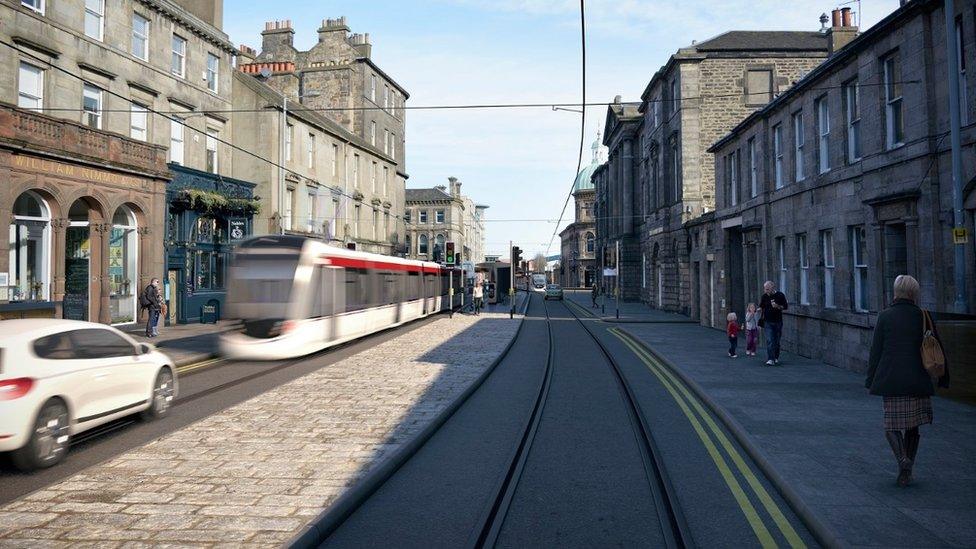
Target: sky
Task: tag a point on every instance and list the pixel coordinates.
(521, 162)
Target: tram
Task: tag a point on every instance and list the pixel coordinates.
(296, 295)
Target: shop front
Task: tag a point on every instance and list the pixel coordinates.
(207, 215)
(83, 208)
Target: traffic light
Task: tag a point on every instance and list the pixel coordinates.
(449, 257)
(516, 256)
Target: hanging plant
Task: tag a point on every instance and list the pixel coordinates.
(215, 204)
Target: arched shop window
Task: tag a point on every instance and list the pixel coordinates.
(422, 244)
(123, 265)
(29, 274)
(590, 243)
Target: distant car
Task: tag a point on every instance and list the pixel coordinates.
(554, 291)
(59, 378)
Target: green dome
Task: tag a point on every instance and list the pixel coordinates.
(583, 179)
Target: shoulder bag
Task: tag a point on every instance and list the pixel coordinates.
(933, 357)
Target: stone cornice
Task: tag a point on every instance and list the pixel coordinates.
(192, 22)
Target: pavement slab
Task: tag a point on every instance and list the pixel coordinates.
(255, 473)
(822, 432)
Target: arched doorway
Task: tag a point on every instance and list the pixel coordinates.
(123, 266)
(78, 267)
(29, 276)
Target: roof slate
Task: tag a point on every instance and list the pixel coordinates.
(765, 41)
(426, 195)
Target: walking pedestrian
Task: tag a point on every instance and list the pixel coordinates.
(152, 300)
(732, 330)
(897, 373)
(752, 329)
(478, 293)
(594, 293)
(771, 306)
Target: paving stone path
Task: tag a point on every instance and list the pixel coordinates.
(256, 473)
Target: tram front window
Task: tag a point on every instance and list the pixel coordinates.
(260, 292)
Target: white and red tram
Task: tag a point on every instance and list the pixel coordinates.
(296, 295)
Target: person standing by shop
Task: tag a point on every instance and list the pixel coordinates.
(478, 293)
(772, 305)
(897, 372)
(152, 300)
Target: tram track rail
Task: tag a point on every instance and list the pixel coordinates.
(673, 525)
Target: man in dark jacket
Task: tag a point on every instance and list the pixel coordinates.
(772, 305)
(895, 372)
(153, 301)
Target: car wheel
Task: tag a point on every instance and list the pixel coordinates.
(48, 443)
(162, 396)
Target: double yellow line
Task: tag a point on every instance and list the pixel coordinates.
(709, 432)
(197, 365)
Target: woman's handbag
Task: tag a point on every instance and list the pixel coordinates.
(933, 357)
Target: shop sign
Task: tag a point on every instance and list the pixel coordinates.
(237, 228)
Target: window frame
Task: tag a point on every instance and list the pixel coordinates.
(143, 111)
(767, 93)
(852, 117)
(39, 8)
(778, 155)
(753, 168)
(822, 113)
(734, 178)
(799, 143)
(828, 261)
(89, 115)
(22, 95)
(310, 151)
(804, 264)
(335, 160)
(422, 216)
(176, 122)
(784, 270)
(100, 15)
(143, 37)
(893, 101)
(213, 72)
(859, 270)
(439, 216)
(961, 71)
(181, 55)
(212, 150)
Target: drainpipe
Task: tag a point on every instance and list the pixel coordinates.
(952, 59)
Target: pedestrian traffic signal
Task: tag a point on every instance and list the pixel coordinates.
(449, 256)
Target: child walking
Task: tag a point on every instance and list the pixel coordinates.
(732, 330)
(752, 329)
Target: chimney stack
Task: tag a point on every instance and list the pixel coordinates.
(455, 186)
(842, 31)
(277, 33)
(360, 43)
(334, 31)
(247, 54)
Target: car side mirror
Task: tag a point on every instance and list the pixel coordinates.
(145, 348)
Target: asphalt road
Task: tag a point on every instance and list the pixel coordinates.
(204, 390)
(583, 483)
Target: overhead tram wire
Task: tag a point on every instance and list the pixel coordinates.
(472, 106)
(579, 158)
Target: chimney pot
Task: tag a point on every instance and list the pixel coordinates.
(845, 15)
(835, 18)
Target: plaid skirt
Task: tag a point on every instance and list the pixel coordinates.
(906, 412)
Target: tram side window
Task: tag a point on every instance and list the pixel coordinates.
(356, 294)
(413, 286)
(315, 295)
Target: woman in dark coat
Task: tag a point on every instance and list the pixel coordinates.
(895, 372)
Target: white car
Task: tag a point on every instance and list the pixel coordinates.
(59, 378)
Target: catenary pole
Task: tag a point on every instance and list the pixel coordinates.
(952, 59)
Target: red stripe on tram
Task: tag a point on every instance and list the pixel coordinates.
(353, 263)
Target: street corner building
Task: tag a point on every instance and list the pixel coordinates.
(435, 216)
(335, 132)
(107, 108)
(577, 258)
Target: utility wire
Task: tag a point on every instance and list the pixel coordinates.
(579, 159)
(473, 106)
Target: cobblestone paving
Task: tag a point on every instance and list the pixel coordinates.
(256, 473)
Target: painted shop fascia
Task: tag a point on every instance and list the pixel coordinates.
(85, 209)
(207, 214)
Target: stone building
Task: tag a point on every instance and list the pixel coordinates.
(577, 258)
(842, 183)
(362, 113)
(659, 175)
(439, 215)
(107, 75)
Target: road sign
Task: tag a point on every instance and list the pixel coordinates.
(609, 272)
(959, 235)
